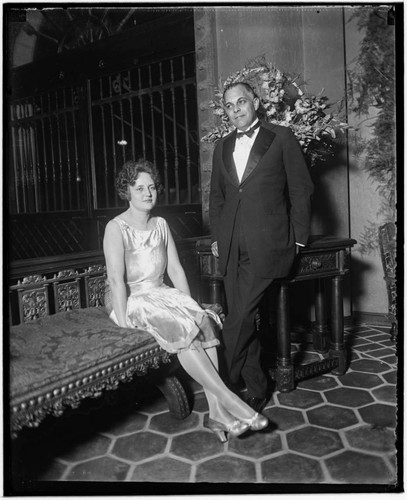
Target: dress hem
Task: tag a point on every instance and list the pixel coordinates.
(184, 344)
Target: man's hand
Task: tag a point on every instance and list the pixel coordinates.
(214, 248)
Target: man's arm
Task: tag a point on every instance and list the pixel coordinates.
(300, 187)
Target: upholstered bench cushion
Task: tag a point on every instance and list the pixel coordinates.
(59, 351)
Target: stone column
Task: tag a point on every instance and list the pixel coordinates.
(207, 81)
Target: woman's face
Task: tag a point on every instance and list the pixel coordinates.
(143, 195)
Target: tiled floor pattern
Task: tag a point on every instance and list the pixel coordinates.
(330, 430)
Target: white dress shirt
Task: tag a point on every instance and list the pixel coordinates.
(242, 150)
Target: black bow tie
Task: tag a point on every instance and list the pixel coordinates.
(248, 132)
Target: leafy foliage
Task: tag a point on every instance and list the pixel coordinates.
(283, 102)
(372, 85)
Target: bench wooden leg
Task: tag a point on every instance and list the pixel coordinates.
(175, 395)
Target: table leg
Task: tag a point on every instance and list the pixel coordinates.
(320, 329)
(285, 368)
(337, 344)
(215, 291)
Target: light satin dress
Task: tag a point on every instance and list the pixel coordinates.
(171, 316)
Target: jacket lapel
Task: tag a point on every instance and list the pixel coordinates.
(262, 143)
(228, 161)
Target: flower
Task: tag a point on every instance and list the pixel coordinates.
(284, 103)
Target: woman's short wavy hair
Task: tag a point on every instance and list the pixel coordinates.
(129, 174)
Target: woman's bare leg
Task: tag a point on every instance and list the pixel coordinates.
(202, 367)
(216, 411)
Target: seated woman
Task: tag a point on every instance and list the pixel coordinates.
(138, 249)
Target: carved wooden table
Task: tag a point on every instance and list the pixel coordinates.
(324, 257)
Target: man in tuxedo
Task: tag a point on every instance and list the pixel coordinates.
(259, 209)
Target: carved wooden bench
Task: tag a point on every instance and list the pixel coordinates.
(64, 348)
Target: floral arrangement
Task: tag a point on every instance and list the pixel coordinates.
(284, 103)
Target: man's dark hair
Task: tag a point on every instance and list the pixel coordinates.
(261, 112)
(246, 85)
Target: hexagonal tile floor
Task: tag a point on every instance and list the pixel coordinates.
(330, 430)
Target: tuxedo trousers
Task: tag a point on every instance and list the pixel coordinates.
(244, 291)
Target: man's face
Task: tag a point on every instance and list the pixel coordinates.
(240, 107)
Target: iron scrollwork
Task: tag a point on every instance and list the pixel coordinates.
(120, 83)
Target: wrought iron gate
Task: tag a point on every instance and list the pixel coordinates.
(67, 142)
(46, 169)
(148, 111)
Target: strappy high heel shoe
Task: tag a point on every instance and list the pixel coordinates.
(220, 429)
(257, 423)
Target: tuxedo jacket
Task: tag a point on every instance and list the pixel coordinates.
(273, 199)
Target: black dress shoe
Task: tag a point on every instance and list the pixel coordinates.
(256, 403)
